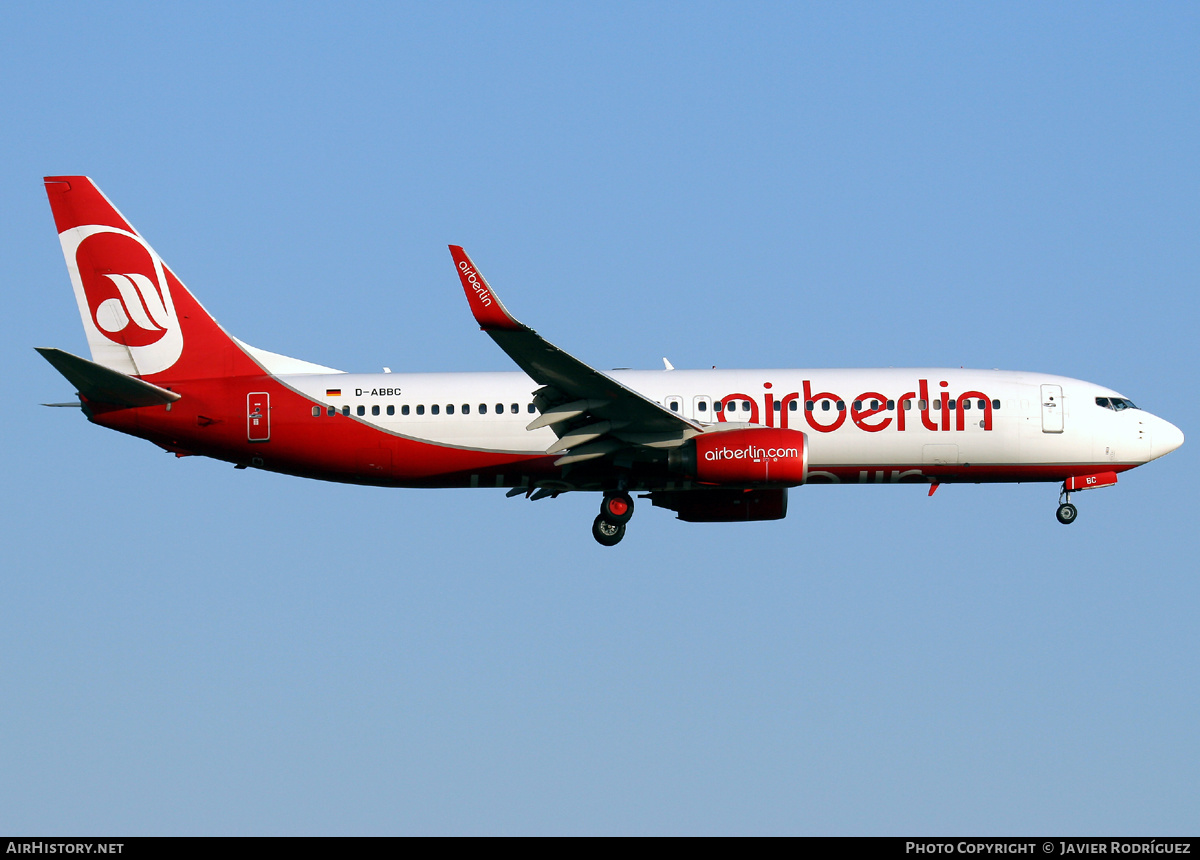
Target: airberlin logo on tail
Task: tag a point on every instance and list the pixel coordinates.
(476, 282)
(123, 293)
(139, 302)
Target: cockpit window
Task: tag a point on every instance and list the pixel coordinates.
(1117, 404)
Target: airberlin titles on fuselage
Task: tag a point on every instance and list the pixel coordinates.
(870, 411)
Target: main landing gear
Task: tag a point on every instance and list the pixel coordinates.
(1066, 511)
(615, 511)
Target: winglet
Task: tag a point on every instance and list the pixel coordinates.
(489, 312)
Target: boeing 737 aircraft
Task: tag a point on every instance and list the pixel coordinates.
(711, 445)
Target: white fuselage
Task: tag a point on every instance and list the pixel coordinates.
(1021, 421)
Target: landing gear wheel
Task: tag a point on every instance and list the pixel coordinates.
(1066, 513)
(617, 508)
(606, 533)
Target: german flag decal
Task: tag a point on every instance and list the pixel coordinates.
(333, 392)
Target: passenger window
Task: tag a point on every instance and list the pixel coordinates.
(531, 409)
(435, 409)
(937, 404)
(345, 410)
(362, 410)
(951, 404)
(778, 405)
(792, 406)
(499, 408)
(841, 406)
(995, 404)
(808, 406)
(316, 412)
(967, 404)
(824, 405)
(420, 408)
(404, 409)
(922, 404)
(466, 409)
(332, 410)
(391, 410)
(701, 406)
(874, 404)
(718, 406)
(374, 410)
(891, 404)
(858, 404)
(449, 408)
(516, 409)
(745, 405)
(673, 405)
(982, 404)
(906, 405)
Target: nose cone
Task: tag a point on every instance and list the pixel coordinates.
(1165, 439)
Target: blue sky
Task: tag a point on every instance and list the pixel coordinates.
(189, 649)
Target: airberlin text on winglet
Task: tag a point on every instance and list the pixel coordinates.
(486, 306)
(476, 283)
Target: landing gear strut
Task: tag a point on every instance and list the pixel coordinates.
(615, 511)
(1066, 511)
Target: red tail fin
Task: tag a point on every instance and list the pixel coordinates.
(139, 318)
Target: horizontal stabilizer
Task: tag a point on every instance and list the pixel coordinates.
(104, 385)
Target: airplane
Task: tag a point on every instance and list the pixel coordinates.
(710, 445)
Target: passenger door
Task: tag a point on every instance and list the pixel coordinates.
(1052, 409)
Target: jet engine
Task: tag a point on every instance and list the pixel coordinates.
(751, 456)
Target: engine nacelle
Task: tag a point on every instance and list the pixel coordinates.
(750, 456)
(723, 506)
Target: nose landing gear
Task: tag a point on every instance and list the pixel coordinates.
(615, 511)
(1066, 512)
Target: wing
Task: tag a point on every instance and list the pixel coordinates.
(592, 414)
